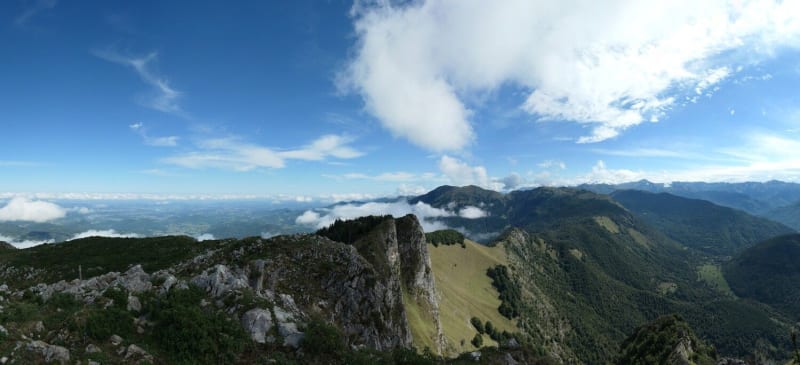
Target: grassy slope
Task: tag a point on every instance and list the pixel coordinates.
(712, 276)
(420, 322)
(466, 291)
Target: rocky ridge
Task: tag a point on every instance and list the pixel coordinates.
(273, 288)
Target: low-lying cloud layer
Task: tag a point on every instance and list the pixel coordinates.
(23, 244)
(470, 212)
(24, 209)
(204, 237)
(427, 215)
(103, 233)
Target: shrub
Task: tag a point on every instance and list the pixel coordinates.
(404, 356)
(63, 301)
(477, 324)
(489, 328)
(510, 292)
(445, 237)
(102, 323)
(477, 341)
(119, 296)
(190, 335)
(350, 231)
(796, 351)
(323, 339)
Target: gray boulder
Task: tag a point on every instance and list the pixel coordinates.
(51, 353)
(134, 304)
(220, 280)
(258, 323)
(138, 354)
(135, 280)
(287, 328)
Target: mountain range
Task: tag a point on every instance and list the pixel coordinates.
(571, 276)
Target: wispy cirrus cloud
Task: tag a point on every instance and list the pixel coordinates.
(165, 97)
(330, 145)
(33, 8)
(166, 141)
(17, 163)
(552, 164)
(235, 154)
(606, 66)
(398, 176)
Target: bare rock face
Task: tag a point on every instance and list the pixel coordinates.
(415, 262)
(682, 352)
(134, 304)
(220, 280)
(135, 280)
(336, 281)
(287, 328)
(258, 323)
(380, 248)
(415, 269)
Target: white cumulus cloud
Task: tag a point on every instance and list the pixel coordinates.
(24, 209)
(460, 173)
(609, 65)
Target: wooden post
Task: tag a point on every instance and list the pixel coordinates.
(80, 273)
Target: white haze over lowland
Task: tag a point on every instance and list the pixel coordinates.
(427, 215)
(24, 209)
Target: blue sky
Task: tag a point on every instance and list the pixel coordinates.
(335, 99)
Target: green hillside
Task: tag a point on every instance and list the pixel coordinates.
(99, 255)
(770, 273)
(700, 224)
(788, 215)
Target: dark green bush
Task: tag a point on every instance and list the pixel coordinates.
(445, 237)
(188, 334)
(403, 356)
(323, 339)
(118, 295)
(102, 323)
(350, 231)
(477, 341)
(476, 322)
(510, 292)
(63, 301)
